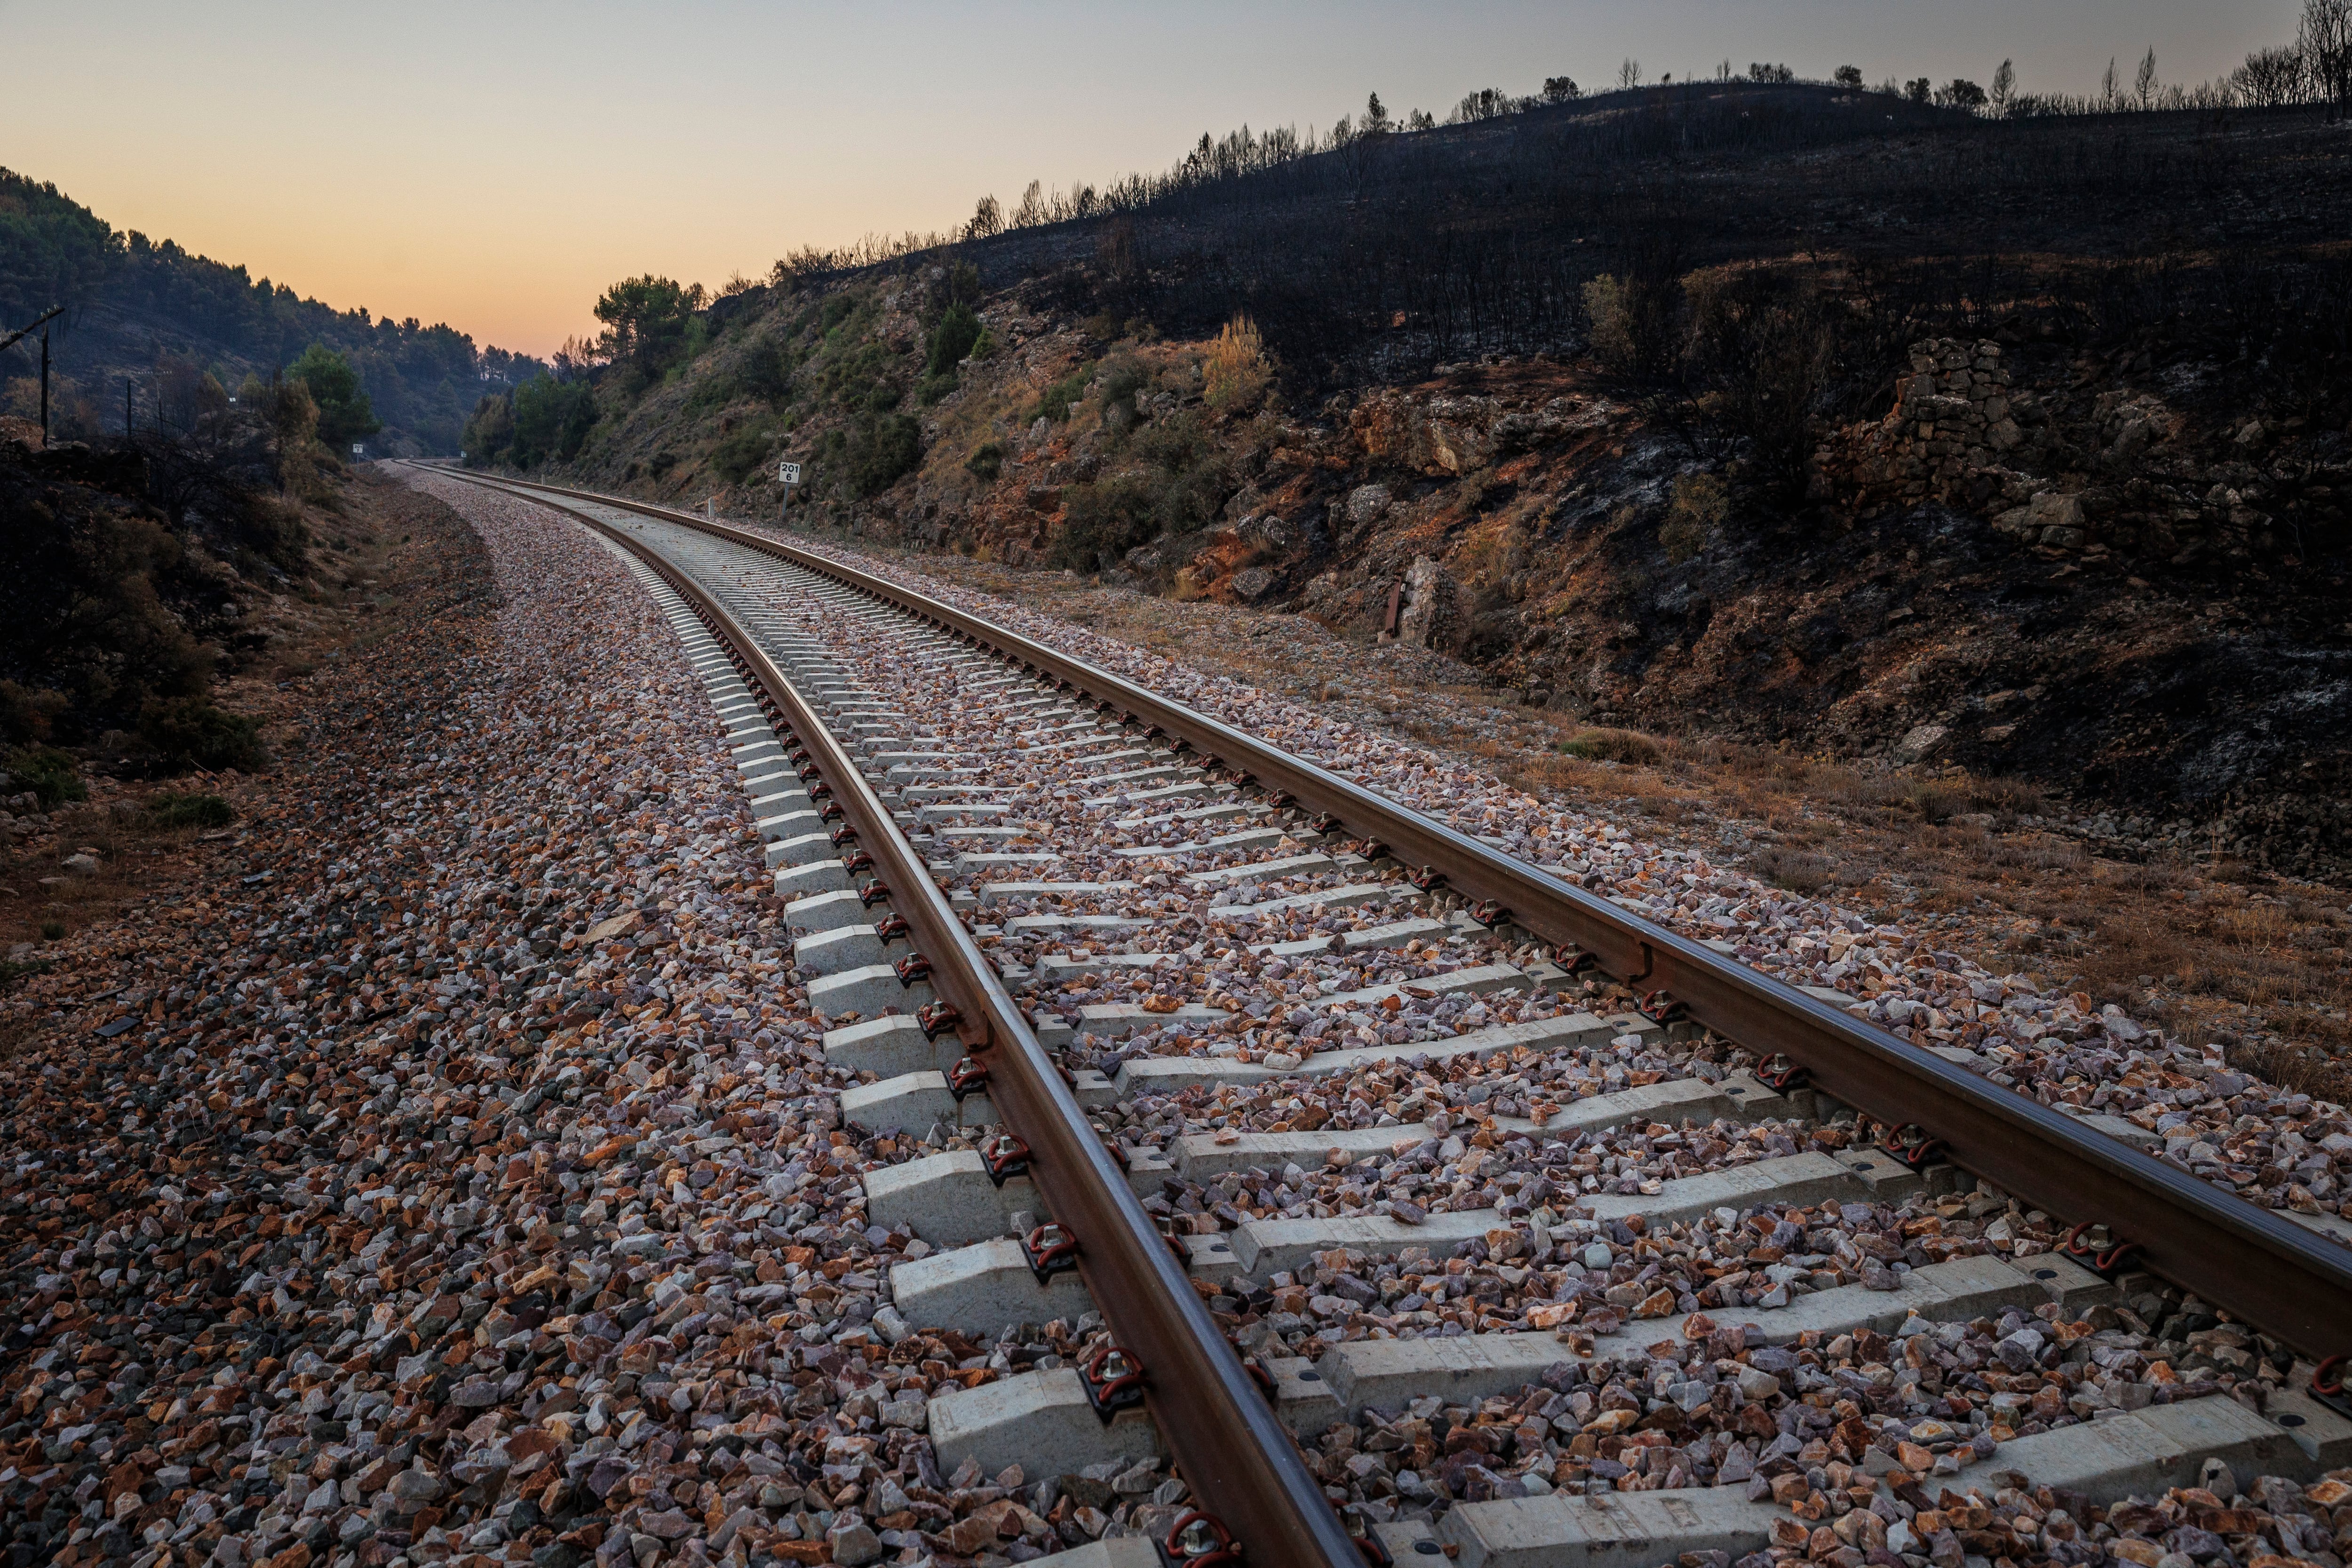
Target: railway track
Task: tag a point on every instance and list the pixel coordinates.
(1407, 1199)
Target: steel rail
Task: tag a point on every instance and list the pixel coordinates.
(1240, 1462)
(2258, 1266)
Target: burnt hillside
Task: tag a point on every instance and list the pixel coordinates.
(1813, 418)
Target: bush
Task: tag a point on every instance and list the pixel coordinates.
(1699, 506)
(1104, 521)
(53, 931)
(190, 733)
(344, 412)
(764, 372)
(987, 461)
(49, 773)
(489, 430)
(932, 388)
(174, 810)
(549, 418)
(872, 457)
(952, 339)
(1055, 402)
(26, 713)
(1933, 802)
(1607, 306)
(1612, 746)
(1183, 483)
(1123, 379)
(1236, 372)
(740, 452)
(2008, 796)
(1765, 347)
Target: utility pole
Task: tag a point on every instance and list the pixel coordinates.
(11, 340)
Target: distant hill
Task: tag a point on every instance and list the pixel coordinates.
(133, 305)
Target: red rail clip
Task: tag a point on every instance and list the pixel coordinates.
(1368, 1541)
(844, 834)
(938, 1019)
(2106, 1261)
(892, 927)
(1912, 1144)
(873, 893)
(1198, 1540)
(912, 968)
(1324, 825)
(1429, 878)
(1658, 1007)
(1004, 1155)
(2327, 1386)
(856, 861)
(1781, 1075)
(1114, 1381)
(1165, 1223)
(1050, 1249)
(969, 1073)
(1491, 913)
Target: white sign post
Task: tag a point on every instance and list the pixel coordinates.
(787, 475)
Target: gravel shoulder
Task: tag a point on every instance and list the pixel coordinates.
(424, 1114)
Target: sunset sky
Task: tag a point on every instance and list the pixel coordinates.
(495, 164)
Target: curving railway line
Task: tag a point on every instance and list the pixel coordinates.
(1570, 1239)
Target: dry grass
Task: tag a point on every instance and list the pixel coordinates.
(1798, 870)
(2299, 1069)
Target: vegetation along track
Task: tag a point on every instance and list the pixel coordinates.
(1638, 1222)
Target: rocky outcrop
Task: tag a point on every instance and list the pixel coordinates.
(1453, 435)
(1431, 611)
(2121, 469)
(1951, 437)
